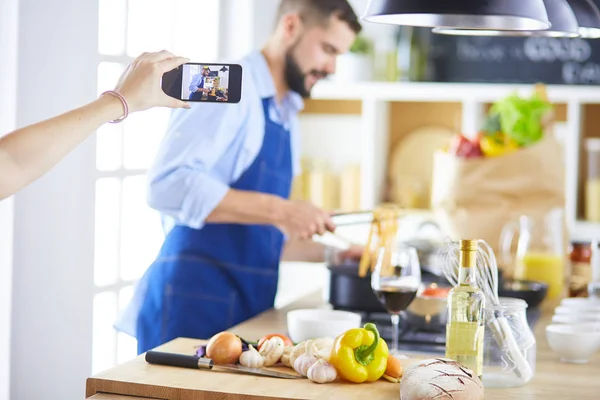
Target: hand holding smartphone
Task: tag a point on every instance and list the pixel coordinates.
(204, 82)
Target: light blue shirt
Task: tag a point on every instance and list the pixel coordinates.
(197, 81)
(208, 147)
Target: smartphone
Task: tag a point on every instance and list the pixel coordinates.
(204, 82)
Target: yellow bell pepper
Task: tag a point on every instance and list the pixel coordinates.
(492, 146)
(360, 355)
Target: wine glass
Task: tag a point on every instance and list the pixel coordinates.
(396, 281)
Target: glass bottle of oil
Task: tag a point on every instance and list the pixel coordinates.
(465, 326)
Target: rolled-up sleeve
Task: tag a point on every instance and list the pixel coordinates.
(194, 85)
(181, 181)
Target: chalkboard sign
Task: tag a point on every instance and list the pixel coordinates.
(511, 59)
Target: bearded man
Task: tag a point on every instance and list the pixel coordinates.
(221, 182)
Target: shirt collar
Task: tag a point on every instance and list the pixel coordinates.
(264, 81)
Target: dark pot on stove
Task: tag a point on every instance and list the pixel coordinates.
(348, 291)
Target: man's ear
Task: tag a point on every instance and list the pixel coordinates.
(292, 27)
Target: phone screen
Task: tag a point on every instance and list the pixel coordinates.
(204, 82)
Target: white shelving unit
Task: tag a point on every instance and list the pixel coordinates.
(376, 99)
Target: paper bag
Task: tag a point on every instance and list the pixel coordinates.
(473, 198)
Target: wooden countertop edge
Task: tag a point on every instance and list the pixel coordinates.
(96, 386)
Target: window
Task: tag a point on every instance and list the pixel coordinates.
(127, 232)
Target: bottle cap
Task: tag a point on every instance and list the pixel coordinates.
(468, 245)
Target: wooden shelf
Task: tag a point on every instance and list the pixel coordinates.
(386, 112)
(448, 92)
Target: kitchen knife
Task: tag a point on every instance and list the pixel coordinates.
(185, 361)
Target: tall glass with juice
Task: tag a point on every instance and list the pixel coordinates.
(540, 250)
(466, 302)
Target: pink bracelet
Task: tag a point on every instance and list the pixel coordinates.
(123, 101)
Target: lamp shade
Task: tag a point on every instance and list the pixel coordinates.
(560, 14)
(588, 17)
(464, 14)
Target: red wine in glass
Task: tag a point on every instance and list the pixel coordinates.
(396, 299)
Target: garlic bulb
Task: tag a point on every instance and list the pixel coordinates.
(285, 357)
(297, 351)
(322, 372)
(272, 350)
(306, 360)
(322, 345)
(252, 358)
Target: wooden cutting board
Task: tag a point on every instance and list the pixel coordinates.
(138, 378)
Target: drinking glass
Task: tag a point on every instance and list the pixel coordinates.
(396, 281)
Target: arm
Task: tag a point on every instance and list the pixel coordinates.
(194, 84)
(185, 185)
(183, 182)
(28, 153)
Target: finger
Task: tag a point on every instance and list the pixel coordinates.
(172, 63)
(159, 56)
(329, 225)
(321, 227)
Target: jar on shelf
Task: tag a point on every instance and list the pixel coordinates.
(592, 183)
(500, 370)
(581, 272)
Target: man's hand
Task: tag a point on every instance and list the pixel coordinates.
(302, 219)
(354, 253)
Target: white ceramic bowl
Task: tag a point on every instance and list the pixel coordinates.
(575, 343)
(316, 323)
(583, 302)
(578, 309)
(575, 318)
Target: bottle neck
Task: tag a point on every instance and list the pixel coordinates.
(468, 263)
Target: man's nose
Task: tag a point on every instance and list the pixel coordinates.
(330, 67)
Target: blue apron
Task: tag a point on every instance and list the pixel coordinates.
(198, 95)
(207, 280)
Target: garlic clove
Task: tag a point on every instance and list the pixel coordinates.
(252, 358)
(306, 360)
(322, 372)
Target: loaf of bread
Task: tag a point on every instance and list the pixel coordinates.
(440, 379)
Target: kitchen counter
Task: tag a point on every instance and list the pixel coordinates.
(553, 379)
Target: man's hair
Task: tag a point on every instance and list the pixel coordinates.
(319, 11)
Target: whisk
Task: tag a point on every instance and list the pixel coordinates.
(486, 277)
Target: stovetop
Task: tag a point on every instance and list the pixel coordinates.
(413, 340)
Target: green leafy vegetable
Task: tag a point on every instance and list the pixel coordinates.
(491, 125)
(521, 118)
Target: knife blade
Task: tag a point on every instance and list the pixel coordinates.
(194, 362)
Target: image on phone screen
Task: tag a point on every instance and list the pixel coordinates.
(204, 82)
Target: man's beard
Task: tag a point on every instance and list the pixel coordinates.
(295, 78)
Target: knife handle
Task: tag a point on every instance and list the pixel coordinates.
(178, 360)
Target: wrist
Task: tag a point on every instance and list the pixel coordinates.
(111, 107)
(277, 207)
(119, 102)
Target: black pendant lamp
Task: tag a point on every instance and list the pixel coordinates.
(560, 14)
(520, 15)
(588, 18)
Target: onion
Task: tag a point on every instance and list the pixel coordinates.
(224, 348)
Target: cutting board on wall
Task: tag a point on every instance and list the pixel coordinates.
(411, 165)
